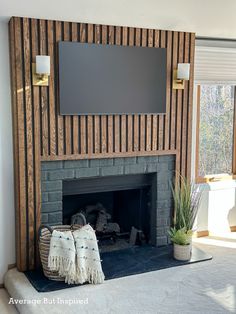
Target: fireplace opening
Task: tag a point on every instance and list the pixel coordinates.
(119, 208)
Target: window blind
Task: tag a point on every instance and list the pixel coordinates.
(215, 62)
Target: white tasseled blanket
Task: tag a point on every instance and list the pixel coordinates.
(75, 256)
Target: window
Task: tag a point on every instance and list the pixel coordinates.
(215, 132)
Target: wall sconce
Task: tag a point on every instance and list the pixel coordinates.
(41, 70)
(180, 75)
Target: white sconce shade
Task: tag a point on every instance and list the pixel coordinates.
(43, 65)
(183, 71)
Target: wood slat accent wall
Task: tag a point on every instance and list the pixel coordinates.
(40, 133)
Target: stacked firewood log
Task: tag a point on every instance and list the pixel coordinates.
(98, 217)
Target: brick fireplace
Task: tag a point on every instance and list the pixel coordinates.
(153, 173)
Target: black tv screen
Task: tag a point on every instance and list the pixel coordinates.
(109, 79)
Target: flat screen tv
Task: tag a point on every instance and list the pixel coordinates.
(109, 79)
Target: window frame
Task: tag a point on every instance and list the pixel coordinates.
(213, 177)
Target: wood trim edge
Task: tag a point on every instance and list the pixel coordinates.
(200, 234)
(107, 155)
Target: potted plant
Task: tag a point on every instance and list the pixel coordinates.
(182, 243)
(186, 197)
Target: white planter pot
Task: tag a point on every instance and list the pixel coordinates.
(182, 252)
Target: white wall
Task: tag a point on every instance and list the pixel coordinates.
(212, 18)
(7, 220)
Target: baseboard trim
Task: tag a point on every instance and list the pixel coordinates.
(200, 234)
(233, 228)
(10, 266)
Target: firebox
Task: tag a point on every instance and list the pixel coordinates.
(119, 208)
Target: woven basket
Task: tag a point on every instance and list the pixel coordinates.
(45, 233)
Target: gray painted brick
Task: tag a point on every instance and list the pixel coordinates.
(163, 166)
(50, 165)
(162, 231)
(44, 175)
(87, 172)
(55, 218)
(147, 159)
(119, 161)
(51, 207)
(163, 222)
(153, 167)
(62, 174)
(171, 165)
(130, 160)
(52, 190)
(164, 213)
(44, 218)
(111, 171)
(162, 177)
(55, 196)
(83, 163)
(133, 169)
(164, 195)
(51, 186)
(161, 240)
(163, 204)
(166, 158)
(101, 162)
(44, 197)
(163, 186)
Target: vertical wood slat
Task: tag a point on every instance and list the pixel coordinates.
(75, 121)
(117, 137)
(60, 120)
(19, 150)
(104, 134)
(37, 135)
(174, 93)
(90, 117)
(130, 117)
(12, 46)
(158, 135)
(83, 138)
(136, 127)
(154, 132)
(123, 133)
(185, 112)
(179, 102)
(44, 94)
(67, 118)
(97, 139)
(117, 133)
(143, 130)
(52, 103)
(111, 41)
(190, 106)
(149, 117)
(136, 132)
(104, 118)
(29, 140)
(161, 117)
(169, 91)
